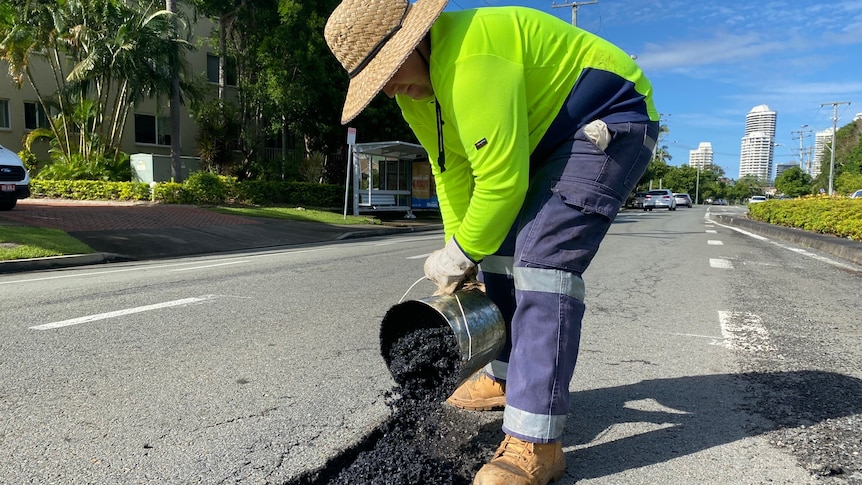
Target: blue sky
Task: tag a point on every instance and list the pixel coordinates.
(712, 62)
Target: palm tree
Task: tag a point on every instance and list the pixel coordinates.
(121, 54)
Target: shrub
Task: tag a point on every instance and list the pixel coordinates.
(89, 190)
(205, 188)
(822, 214)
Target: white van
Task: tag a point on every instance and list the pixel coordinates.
(14, 179)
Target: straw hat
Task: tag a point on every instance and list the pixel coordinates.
(372, 38)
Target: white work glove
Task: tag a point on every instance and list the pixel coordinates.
(448, 268)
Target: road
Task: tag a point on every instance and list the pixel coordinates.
(708, 356)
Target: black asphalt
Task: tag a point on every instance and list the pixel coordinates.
(122, 231)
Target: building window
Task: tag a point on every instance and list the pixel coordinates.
(212, 70)
(4, 115)
(34, 116)
(152, 130)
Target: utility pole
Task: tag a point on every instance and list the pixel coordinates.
(801, 133)
(574, 6)
(835, 105)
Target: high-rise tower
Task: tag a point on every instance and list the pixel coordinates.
(702, 156)
(758, 144)
(822, 144)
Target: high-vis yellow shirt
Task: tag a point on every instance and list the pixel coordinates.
(501, 76)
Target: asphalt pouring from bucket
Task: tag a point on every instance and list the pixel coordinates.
(422, 441)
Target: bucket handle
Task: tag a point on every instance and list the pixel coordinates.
(463, 315)
(408, 289)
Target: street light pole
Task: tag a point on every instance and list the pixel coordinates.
(834, 133)
(801, 133)
(697, 186)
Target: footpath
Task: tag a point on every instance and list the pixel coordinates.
(131, 231)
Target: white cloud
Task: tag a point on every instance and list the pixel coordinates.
(720, 49)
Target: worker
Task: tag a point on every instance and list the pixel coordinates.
(537, 132)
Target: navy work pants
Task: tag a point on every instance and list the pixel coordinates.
(536, 276)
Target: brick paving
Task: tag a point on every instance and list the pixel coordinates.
(73, 216)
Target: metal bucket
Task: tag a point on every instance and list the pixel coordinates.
(476, 322)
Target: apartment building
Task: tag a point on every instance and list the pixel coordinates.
(148, 127)
(758, 143)
(822, 145)
(702, 157)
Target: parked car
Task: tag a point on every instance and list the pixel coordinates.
(756, 199)
(637, 200)
(657, 199)
(14, 179)
(683, 199)
(856, 195)
(719, 202)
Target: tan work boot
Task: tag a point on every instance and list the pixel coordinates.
(519, 462)
(479, 394)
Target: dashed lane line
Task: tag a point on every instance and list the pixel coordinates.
(797, 250)
(119, 313)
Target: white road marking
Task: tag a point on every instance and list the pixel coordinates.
(119, 313)
(801, 251)
(145, 266)
(744, 331)
(711, 231)
(419, 256)
(713, 242)
(209, 266)
(150, 266)
(693, 335)
(720, 263)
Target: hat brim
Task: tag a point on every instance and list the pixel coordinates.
(370, 80)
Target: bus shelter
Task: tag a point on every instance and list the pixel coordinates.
(383, 177)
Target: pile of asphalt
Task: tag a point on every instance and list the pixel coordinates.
(424, 440)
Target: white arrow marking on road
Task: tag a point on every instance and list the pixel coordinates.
(119, 313)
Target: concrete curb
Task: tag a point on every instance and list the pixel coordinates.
(57, 262)
(387, 232)
(843, 248)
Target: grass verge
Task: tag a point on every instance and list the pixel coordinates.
(23, 242)
(297, 214)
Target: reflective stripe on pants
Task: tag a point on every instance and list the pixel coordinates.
(535, 277)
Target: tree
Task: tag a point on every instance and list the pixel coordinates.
(793, 182)
(120, 53)
(745, 187)
(848, 158)
(712, 184)
(681, 179)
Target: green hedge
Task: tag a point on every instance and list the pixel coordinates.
(200, 189)
(89, 190)
(822, 214)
